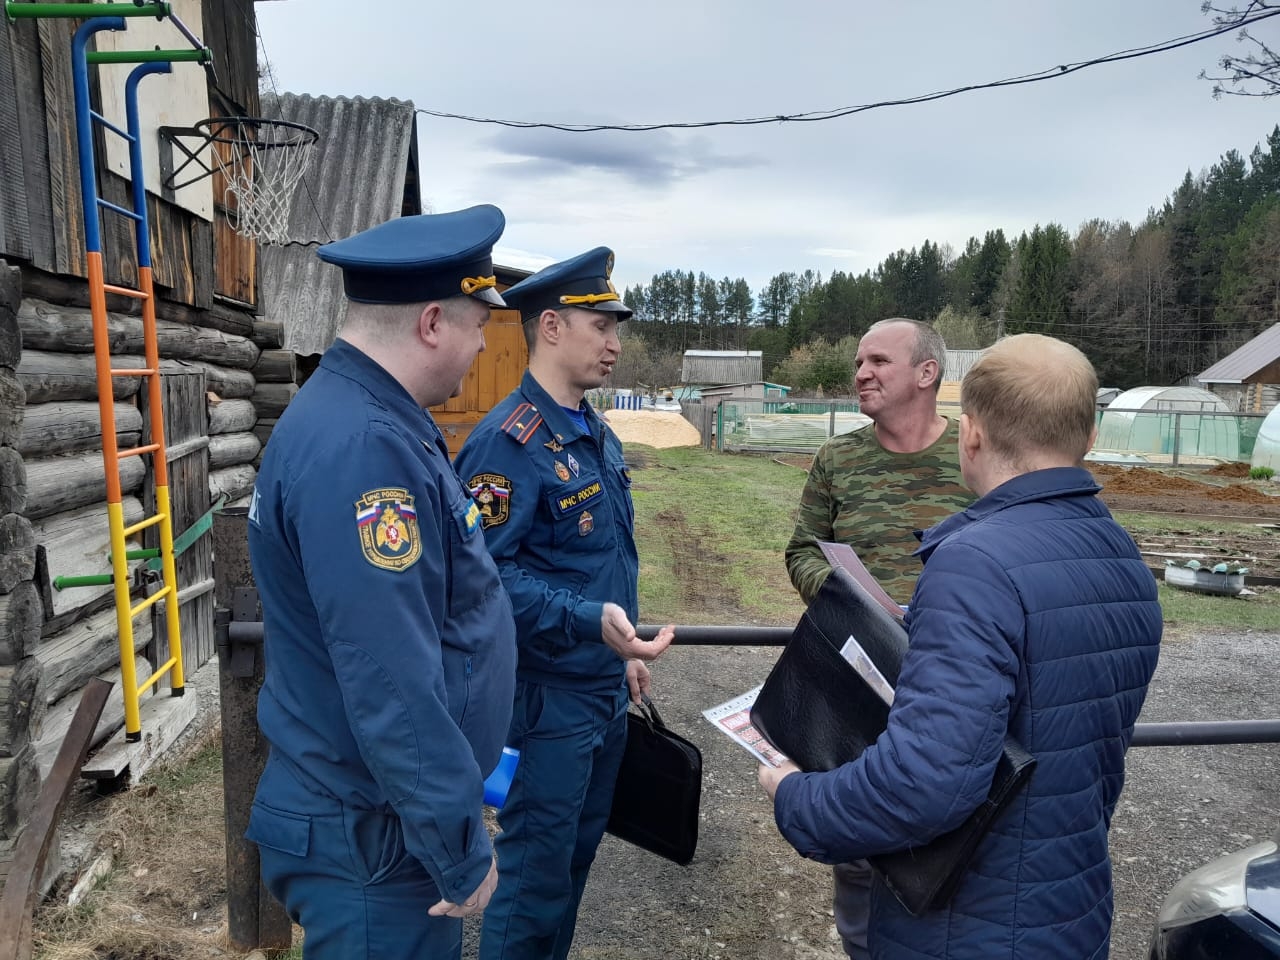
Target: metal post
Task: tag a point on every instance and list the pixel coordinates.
(254, 918)
(1177, 435)
(831, 421)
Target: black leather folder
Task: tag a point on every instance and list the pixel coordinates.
(816, 709)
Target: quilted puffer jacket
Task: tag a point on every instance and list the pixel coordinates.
(1035, 616)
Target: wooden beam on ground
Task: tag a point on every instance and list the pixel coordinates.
(163, 719)
(18, 901)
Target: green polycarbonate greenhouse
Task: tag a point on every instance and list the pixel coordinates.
(1266, 451)
(1159, 423)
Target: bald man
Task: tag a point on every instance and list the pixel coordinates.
(1034, 618)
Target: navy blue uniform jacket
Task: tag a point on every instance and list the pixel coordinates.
(390, 644)
(558, 517)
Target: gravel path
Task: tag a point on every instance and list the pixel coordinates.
(747, 895)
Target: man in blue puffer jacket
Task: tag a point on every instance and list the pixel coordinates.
(1034, 617)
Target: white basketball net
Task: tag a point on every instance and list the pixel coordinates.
(261, 165)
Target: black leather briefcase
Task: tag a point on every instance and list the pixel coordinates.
(659, 789)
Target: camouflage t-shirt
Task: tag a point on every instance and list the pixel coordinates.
(861, 494)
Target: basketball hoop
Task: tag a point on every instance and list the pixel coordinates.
(261, 162)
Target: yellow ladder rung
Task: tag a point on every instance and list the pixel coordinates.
(151, 600)
(143, 524)
(125, 292)
(164, 668)
(139, 372)
(138, 451)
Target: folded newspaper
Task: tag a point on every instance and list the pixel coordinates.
(733, 717)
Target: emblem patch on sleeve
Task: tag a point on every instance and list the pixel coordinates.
(388, 526)
(492, 492)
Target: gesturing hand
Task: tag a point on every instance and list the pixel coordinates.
(619, 634)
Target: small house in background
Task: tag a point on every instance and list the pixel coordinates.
(1248, 379)
(371, 142)
(709, 368)
(756, 390)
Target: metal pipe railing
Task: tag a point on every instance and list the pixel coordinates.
(1182, 733)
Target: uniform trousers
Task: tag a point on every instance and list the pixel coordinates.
(344, 875)
(852, 907)
(571, 744)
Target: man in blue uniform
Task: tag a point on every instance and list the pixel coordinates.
(558, 519)
(390, 642)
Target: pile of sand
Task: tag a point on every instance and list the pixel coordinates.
(653, 428)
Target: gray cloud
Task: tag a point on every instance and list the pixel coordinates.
(655, 159)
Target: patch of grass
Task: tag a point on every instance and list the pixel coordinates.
(725, 517)
(1261, 473)
(1186, 608)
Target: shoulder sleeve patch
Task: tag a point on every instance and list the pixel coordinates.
(492, 493)
(387, 522)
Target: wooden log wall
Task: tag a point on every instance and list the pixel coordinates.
(53, 518)
(21, 615)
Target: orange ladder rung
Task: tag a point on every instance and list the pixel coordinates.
(138, 451)
(126, 292)
(140, 372)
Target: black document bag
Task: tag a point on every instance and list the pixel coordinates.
(817, 710)
(655, 802)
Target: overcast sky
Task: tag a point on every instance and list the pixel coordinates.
(1109, 141)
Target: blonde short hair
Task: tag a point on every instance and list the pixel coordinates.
(1033, 393)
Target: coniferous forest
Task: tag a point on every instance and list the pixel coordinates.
(1151, 303)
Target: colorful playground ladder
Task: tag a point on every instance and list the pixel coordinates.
(111, 16)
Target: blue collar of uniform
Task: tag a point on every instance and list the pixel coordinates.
(557, 421)
(353, 363)
(1038, 485)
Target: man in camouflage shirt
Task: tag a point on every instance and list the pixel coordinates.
(873, 489)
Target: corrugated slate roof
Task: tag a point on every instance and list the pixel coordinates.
(356, 173)
(355, 179)
(1240, 365)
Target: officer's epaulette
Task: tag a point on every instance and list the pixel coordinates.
(523, 422)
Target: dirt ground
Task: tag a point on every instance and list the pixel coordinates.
(747, 894)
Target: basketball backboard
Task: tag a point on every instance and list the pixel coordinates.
(176, 99)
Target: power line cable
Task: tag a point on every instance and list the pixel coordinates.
(1049, 73)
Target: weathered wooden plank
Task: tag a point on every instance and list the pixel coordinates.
(231, 416)
(21, 617)
(73, 292)
(19, 784)
(68, 376)
(232, 482)
(262, 429)
(22, 710)
(63, 170)
(232, 448)
(163, 721)
(57, 719)
(17, 551)
(22, 888)
(268, 334)
(185, 407)
(276, 366)
(78, 542)
(64, 483)
(202, 267)
(74, 426)
(270, 399)
(10, 303)
(13, 482)
(227, 383)
(13, 401)
(85, 649)
(46, 326)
